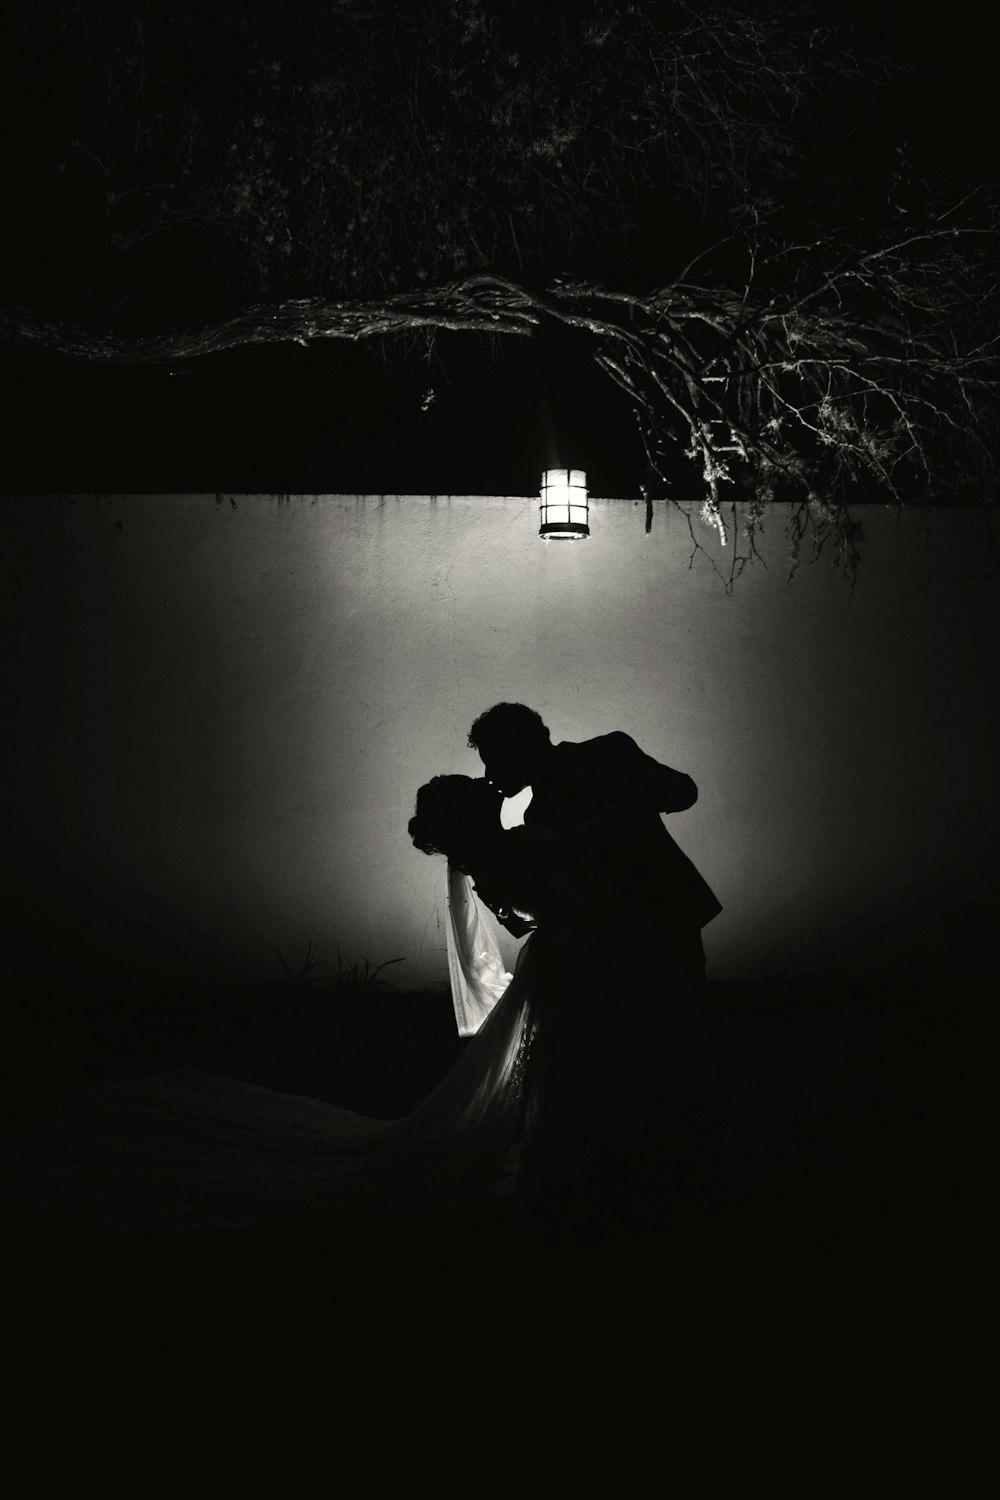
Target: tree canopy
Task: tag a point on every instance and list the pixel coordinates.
(712, 203)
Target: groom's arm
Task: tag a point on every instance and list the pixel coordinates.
(659, 786)
(634, 783)
(632, 778)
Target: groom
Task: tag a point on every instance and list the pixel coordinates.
(609, 795)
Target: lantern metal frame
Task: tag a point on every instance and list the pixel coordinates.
(564, 505)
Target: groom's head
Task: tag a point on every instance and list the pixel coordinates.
(513, 743)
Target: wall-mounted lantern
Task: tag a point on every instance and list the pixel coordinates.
(563, 507)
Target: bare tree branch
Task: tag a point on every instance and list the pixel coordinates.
(385, 173)
(828, 376)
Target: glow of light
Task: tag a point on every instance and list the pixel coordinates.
(563, 508)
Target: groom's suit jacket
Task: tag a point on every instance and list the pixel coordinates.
(591, 777)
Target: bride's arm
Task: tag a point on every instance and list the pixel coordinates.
(491, 892)
(504, 881)
(515, 924)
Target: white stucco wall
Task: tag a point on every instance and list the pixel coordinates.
(220, 711)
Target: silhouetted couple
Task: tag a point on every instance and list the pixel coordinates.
(620, 1094)
(590, 1075)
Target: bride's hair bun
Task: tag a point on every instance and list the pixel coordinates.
(448, 809)
(421, 832)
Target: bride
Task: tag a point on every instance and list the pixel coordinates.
(589, 1067)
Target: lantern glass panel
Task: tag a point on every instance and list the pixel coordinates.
(564, 506)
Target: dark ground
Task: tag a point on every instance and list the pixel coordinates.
(823, 1323)
(848, 1098)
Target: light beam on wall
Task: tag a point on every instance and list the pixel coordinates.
(563, 509)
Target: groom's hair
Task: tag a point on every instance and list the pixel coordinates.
(509, 721)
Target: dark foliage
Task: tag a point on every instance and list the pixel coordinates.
(717, 205)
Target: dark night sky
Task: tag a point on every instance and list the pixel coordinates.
(334, 419)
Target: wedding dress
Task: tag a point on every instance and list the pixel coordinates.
(591, 1064)
(187, 1149)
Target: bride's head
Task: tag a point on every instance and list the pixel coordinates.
(452, 812)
